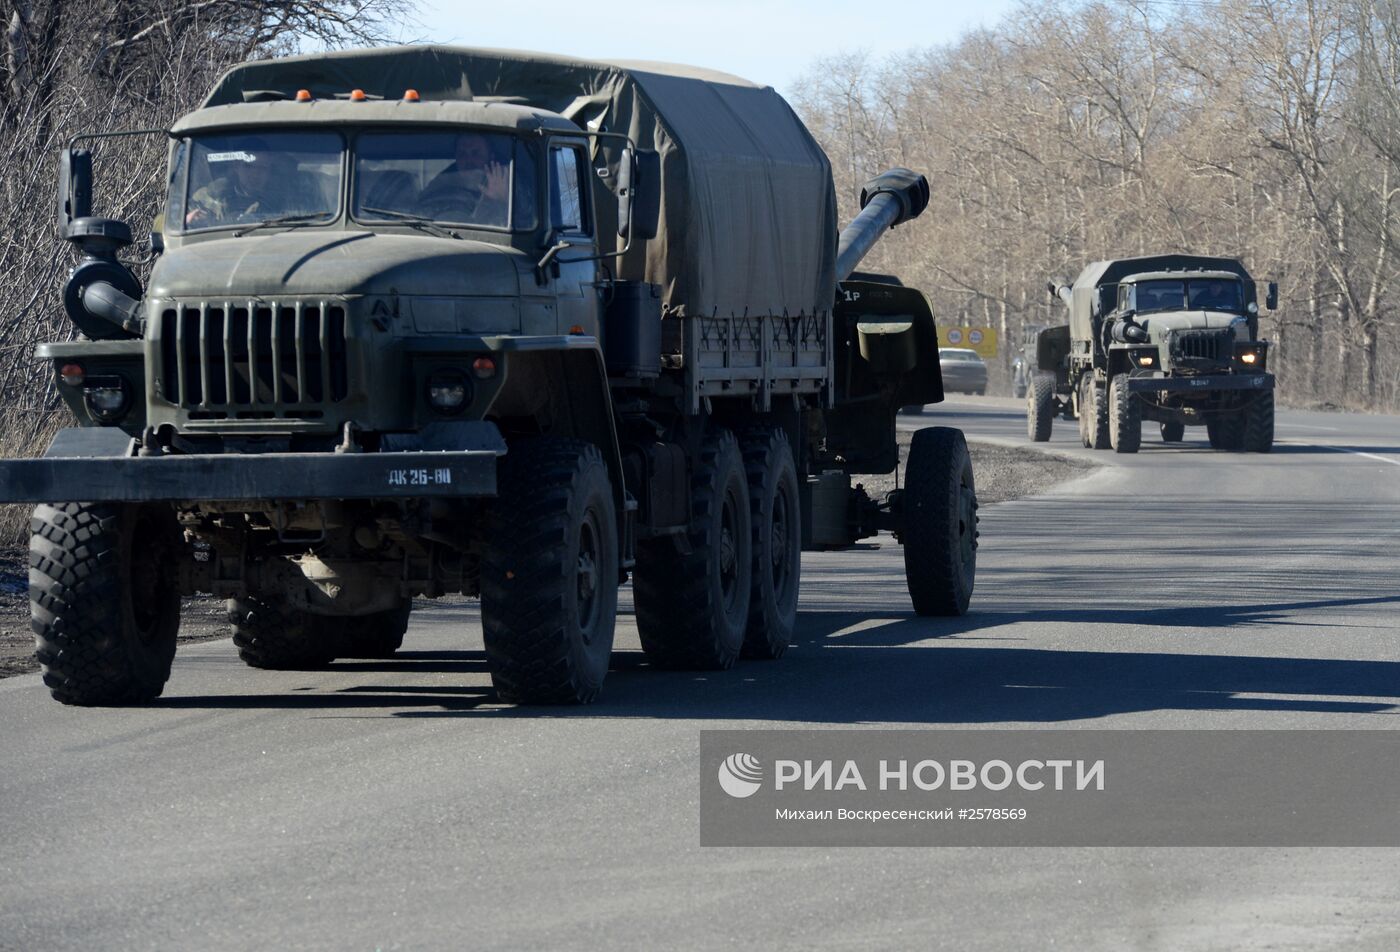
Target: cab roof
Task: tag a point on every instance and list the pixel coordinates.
(1178, 275)
(506, 116)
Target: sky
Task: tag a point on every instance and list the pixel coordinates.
(766, 41)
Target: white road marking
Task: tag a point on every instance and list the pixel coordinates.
(1344, 449)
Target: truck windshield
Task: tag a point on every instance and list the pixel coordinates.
(456, 178)
(1203, 294)
(246, 178)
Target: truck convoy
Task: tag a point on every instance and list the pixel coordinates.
(1168, 338)
(429, 320)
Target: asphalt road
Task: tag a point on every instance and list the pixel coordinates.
(397, 805)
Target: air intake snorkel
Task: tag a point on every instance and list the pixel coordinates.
(102, 297)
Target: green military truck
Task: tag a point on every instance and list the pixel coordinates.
(1167, 338)
(430, 320)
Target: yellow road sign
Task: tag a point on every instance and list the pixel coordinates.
(981, 339)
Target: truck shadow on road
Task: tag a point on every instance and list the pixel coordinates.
(860, 667)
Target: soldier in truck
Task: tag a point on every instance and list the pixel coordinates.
(246, 180)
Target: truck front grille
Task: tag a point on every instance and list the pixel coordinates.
(253, 361)
(1203, 348)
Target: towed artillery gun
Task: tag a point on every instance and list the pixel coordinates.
(1172, 339)
(430, 320)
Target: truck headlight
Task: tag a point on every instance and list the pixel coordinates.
(1144, 358)
(448, 391)
(108, 398)
(1249, 357)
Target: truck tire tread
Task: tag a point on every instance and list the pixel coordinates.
(86, 643)
(535, 648)
(680, 620)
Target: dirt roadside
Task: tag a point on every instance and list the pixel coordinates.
(1002, 473)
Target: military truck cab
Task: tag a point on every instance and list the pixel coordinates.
(1172, 339)
(521, 327)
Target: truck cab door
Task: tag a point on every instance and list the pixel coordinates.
(571, 222)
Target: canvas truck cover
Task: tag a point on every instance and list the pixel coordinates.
(748, 213)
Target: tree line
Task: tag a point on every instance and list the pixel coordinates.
(1068, 132)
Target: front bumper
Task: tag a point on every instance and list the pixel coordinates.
(89, 464)
(1158, 383)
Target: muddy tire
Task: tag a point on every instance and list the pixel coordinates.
(693, 610)
(104, 606)
(1124, 416)
(1093, 414)
(939, 530)
(377, 635)
(1173, 432)
(1258, 435)
(549, 574)
(275, 636)
(775, 517)
(1040, 408)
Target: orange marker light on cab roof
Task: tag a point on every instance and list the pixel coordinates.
(357, 95)
(576, 329)
(303, 95)
(410, 95)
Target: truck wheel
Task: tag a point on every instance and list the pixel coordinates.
(271, 634)
(1040, 408)
(377, 635)
(549, 574)
(1173, 432)
(775, 514)
(692, 610)
(940, 522)
(1258, 436)
(103, 602)
(1093, 414)
(1226, 432)
(1124, 416)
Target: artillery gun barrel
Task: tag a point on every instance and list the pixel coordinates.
(887, 200)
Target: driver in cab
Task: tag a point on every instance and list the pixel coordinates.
(474, 188)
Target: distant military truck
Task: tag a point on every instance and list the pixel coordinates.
(1168, 338)
(1023, 365)
(431, 320)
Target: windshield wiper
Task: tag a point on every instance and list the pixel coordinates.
(427, 224)
(285, 220)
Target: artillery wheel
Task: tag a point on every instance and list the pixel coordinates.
(1093, 414)
(1040, 407)
(376, 635)
(693, 609)
(1124, 416)
(269, 633)
(940, 522)
(1258, 436)
(103, 603)
(549, 573)
(1173, 432)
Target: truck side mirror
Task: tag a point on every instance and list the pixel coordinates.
(74, 187)
(641, 182)
(1271, 300)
